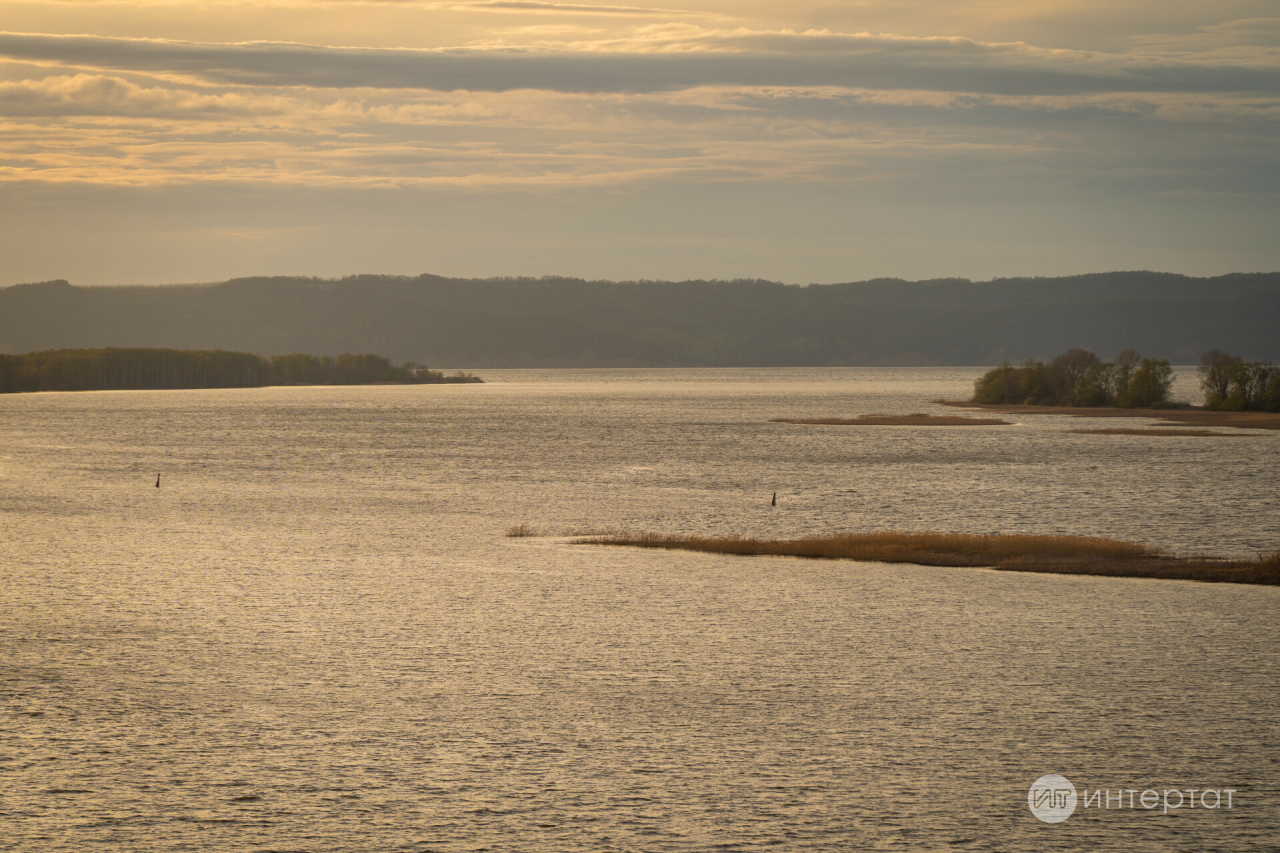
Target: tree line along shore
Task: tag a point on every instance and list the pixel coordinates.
(113, 369)
(1078, 378)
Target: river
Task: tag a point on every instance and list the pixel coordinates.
(316, 635)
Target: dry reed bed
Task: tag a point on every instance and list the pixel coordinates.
(917, 419)
(1076, 555)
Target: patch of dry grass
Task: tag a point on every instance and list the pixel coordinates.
(521, 531)
(1023, 553)
(917, 419)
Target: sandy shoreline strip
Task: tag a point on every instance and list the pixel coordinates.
(1190, 416)
(918, 419)
(1162, 431)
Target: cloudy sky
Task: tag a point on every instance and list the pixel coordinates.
(804, 141)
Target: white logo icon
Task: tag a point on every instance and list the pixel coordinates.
(1052, 798)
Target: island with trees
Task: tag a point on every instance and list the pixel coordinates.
(1237, 393)
(113, 369)
(1080, 378)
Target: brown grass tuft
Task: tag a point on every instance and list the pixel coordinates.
(521, 531)
(1024, 553)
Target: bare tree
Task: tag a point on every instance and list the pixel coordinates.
(1215, 374)
(1126, 363)
(1068, 369)
(1249, 381)
(1151, 383)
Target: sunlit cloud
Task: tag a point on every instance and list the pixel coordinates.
(725, 59)
(526, 7)
(564, 8)
(111, 130)
(562, 101)
(96, 94)
(1251, 32)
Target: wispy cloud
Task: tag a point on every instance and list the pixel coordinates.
(680, 61)
(538, 6)
(101, 95)
(527, 7)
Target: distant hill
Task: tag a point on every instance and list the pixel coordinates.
(560, 322)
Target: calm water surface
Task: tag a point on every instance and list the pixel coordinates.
(316, 636)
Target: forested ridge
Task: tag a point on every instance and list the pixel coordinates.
(562, 322)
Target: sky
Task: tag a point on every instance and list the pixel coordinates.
(166, 141)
